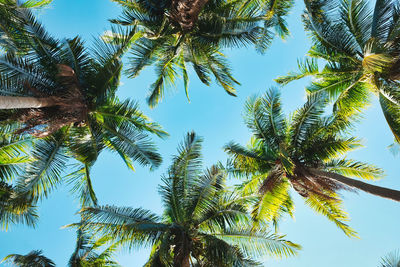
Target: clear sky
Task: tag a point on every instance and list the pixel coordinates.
(217, 117)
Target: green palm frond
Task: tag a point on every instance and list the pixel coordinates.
(270, 203)
(186, 165)
(44, 174)
(128, 110)
(15, 207)
(221, 253)
(132, 227)
(354, 168)
(129, 141)
(166, 72)
(391, 112)
(356, 15)
(35, 3)
(306, 117)
(264, 117)
(142, 55)
(331, 208)
(92, 251)
(34, 258)
(13, 153)
(255, 243)
(308, 67)
(245, 160)
(82, 185)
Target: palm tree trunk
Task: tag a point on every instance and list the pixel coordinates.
(186, 261)
(18, 102)
(369, 188)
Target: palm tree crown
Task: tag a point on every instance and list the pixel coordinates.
(88, 253)
(34, 258)
(303, 152)
(361, 48)
(75, 111)
(203, 224)
(173, 34)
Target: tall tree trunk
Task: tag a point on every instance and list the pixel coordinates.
(186, 261)
(369, 188)
(18, 102)
(186, 12)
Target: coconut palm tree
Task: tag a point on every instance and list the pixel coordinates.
(88, 253)
(361, 49)
(34, 258)
(203, 223)
(304, 152)
(14, 207)
(173, 34)
(66, 98)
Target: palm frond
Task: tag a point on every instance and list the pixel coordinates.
(354, 168)
(264, 117)
(33, 258)
(132, 227)
(44, 173)
(15, 207)
(260, 242)
(131, 142)
(82, 185)
(331, 208)
(308, 67)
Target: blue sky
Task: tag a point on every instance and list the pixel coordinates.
(217, 117)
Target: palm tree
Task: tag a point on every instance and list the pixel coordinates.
(361, 49)
(87, 253)
(32, 259)
(304, 152)
(66, 97)
(173, 34)
(14, 207)
(203, 223)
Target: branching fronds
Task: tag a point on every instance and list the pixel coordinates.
(304, 152)
(203, 221)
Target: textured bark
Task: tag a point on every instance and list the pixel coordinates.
(186, 12)
(369, 188)
(66, 108)
(17, 102)
(182, 249)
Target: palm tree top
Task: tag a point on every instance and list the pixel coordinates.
(78, 114)
(305, 152)
(202, 221)
(171, 35)
(359, 47)
(34, 258)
